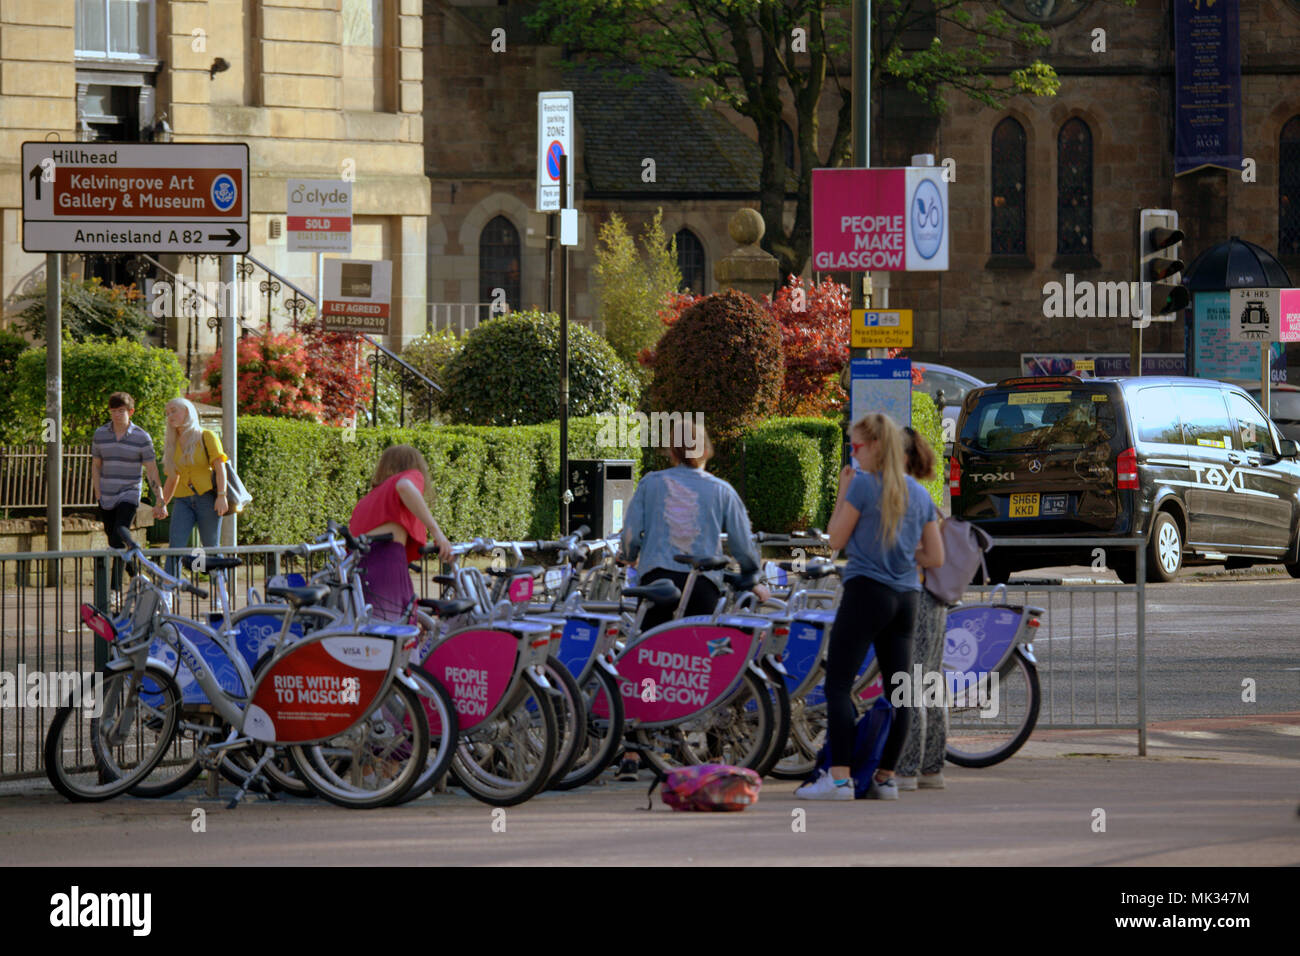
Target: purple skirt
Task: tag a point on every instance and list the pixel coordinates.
(386, 580)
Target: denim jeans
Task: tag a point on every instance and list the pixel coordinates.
(187, 513)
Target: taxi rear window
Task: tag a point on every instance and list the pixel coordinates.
(1040, 420)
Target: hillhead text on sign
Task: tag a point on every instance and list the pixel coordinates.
(357, 296)
(890, 220)
(318, 215)
(127, 197)
(554, 139)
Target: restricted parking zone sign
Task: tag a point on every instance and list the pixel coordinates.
(135, 197)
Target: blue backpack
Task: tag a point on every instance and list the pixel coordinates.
(868, 747)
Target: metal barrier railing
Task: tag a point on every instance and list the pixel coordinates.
(41, 631)
(1072, 681)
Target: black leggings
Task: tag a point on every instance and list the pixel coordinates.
(870, 613)
(704, 596)
(119, 516)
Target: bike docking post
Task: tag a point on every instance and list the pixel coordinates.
(1089, 661)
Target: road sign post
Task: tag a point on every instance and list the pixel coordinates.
(185, 198)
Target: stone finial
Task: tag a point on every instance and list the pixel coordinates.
(747, 227)
(748, 269)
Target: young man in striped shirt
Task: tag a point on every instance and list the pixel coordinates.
(119, 450)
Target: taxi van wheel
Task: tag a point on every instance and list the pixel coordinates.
(1164, 549)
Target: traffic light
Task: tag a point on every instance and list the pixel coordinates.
(1159, 266)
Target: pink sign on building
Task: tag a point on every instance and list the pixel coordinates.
(1289, 310)
(890, 220)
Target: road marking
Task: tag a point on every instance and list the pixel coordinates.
(1194, 734)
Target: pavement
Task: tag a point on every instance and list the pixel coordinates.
(1209, 792)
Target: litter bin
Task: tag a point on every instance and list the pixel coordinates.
(602, 490)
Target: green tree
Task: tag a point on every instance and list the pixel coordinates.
(91, 309)
(757, 55)
(91, 372)
(508, 373)
(12, 345)
(632, 288)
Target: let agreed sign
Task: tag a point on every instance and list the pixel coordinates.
(881, 329)
(126, 197)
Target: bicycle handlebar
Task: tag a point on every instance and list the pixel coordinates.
(133, 551)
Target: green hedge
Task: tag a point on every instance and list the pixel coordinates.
(504, 482)
(498, 482)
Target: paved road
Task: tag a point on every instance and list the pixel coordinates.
(1209, 793)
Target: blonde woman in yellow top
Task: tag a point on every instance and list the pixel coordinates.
(196, 479)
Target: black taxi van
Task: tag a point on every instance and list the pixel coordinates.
(1192, 463)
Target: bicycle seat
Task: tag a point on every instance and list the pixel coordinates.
(300, 597)
(446, 580)
(701, 564)
(740, 580)
(662, 591)
(531, 571)
(211, 563)
(446, 608)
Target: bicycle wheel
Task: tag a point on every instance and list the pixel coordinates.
(180, 767)
(807, 735)
(975, 740)
(444, 726)
(113, 752)
(604, 734)
(376, 761)
(734, 733)
(779, 695)
(571, 714)
(505, 761)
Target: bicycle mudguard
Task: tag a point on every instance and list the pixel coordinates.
(478, 665)
(682, 668)
(319, 687)
(978, 640)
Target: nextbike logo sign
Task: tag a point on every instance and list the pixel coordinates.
(927, 209)
(880, 219)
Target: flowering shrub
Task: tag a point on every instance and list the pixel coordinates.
(273, 379)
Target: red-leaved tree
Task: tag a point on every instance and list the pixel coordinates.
(334, 363)
(814, 322)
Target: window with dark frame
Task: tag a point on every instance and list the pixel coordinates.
(499, 262)
(690, 261)
(1288, 189)
(1008, 209)
(1074, 189)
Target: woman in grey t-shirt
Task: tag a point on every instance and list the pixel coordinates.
(885, 522)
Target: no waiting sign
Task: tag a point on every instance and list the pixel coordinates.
(127, 197)
(554, 139)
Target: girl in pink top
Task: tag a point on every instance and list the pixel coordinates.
(396, 506)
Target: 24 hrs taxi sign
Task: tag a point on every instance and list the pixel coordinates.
(135, 197)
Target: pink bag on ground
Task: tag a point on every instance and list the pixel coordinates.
(711, 786)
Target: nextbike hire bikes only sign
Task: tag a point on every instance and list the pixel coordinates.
(128, 197)
(357, 296)
(880, 328)
(890, 220)
(318, 215)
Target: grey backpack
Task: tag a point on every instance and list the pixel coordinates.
(963, 552)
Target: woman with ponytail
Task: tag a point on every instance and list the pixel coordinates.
(886, 523)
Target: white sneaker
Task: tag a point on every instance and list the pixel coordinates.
(905, 783)
(888, 790)
(931, 781)
(825, 788)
